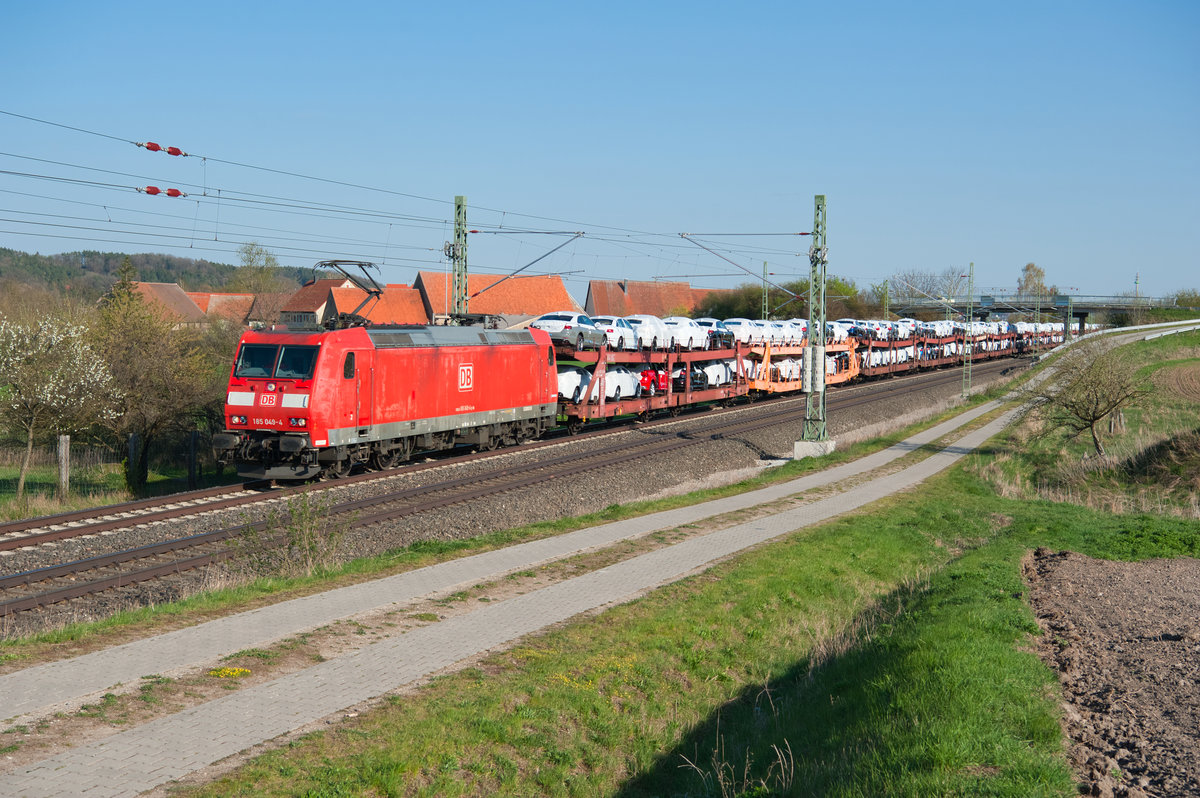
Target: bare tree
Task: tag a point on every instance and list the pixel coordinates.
(917, 284)
(1032, 281)
(259, 272)
(1090, 381)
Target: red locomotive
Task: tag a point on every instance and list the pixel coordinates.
(306, 402)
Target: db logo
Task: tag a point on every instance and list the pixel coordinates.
(466, 376)
(267, 400)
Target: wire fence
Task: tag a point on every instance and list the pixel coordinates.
(179, 462)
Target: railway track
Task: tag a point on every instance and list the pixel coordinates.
(50, 585)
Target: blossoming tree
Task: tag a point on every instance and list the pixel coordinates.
(51, 381)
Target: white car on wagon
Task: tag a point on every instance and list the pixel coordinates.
(621, 334)
(652, 332)
(746, 331)
(686, 332)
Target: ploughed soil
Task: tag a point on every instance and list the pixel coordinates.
(1125, 641)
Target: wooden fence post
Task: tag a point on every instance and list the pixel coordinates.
(64, 466)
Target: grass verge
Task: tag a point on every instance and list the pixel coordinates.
(884, 653)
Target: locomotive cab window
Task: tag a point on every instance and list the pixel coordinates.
(348, 366)
(256, 360)
(271, 360)
(296, 363)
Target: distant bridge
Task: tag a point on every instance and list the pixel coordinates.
(1066, 305)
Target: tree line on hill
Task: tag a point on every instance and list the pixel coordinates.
(88, 275)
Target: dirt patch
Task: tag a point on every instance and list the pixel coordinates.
(1181, 380)
(1125, 640)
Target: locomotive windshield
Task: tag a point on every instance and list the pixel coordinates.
(296, 363)
(280, 362)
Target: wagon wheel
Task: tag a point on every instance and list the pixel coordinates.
(382, 461)
(674, 410)
(574, 425)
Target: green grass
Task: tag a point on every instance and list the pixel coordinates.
(885, 653)
(1148, 460)
(90, 486)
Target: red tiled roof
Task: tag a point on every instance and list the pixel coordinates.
(201, 299)
(629, 297)
(313, 296)
(516, 296)
(234, 307)
(607, 298)
(398, 304)
(173, 301)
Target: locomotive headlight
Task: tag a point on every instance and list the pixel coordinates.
(298, 422)
(238, 419)
(270, 386)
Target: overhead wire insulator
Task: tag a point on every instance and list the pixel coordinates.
(156, 147)
(155, 190)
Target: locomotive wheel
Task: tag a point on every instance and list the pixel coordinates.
(338, 469)
(383, 462)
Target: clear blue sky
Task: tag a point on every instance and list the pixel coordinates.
(942, 133)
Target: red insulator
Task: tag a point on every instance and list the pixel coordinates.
(152, 190)
(174, 192)
(175, 151)
(150, 145)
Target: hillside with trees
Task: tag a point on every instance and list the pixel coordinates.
(88, 275)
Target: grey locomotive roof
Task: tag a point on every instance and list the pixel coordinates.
(385, 337)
